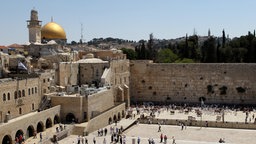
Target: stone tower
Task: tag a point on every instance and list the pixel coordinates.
(34, 27)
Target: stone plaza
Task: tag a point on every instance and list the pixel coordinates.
(189, 135)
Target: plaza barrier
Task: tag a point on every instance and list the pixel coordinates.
(198, 123)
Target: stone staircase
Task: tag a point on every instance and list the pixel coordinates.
(45, 103)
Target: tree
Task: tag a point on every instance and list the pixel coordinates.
(193, 47)
(185, 60)
(209, 51)
(238, 54)
(186, 48)
(73, 42)
(223, 38)
(130, 53)
(151, 49)
(141, 50)
(166, 56)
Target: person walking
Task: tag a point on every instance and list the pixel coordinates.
(161, 138)
(104, 141)
(159, 128)
(165, 139)
(82, 140)
(35, 134)
(138, 140)
(105, 131)
(124, 139)
(85, 141)
(78, 139)
(41, 136)
(173, 140)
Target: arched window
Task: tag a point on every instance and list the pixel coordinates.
(32, 90)
(8, 96)
(33, 106)
(23, 93)
(35, 89)
(15, 95)
(29, 91)
(19, 93)
(20, 111)
(4, 97)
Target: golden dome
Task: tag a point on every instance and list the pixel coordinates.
(52, 30)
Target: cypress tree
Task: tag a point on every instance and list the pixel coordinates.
(223, 39)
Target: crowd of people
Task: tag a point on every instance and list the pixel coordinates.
(150, 111)
(20, 139)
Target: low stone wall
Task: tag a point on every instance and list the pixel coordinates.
(216, 124)
(10, 128)
(102, 120)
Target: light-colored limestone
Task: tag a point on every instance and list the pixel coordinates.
(186, 83)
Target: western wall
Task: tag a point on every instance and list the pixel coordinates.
(193, 83)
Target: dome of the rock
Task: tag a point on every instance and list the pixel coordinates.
(52, 30)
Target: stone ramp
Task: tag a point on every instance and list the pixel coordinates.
(79, 128)
(125, 123)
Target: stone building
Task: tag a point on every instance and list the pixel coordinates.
(106, 55)
(86, 106)
(22, 105)
(96, 72)
(19, 97)
(120, 80)
(91, 70)
(98, 88)
(47, 81)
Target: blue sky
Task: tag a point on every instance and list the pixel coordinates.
(130, 19)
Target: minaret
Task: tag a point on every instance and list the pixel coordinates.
(34, 27)
(209, 33)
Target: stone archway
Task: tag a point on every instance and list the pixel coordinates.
(40, 127)
(110, 120)
(19, 136)
(123, 114)
(48, 123)
(70, 118)
(19, 133)
(7, 139)
(30, 131)
(56, 119)
(114, 118)
(119, 116)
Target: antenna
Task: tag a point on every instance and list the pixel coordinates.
(82, 35)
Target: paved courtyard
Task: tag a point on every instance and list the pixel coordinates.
(190, 135)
